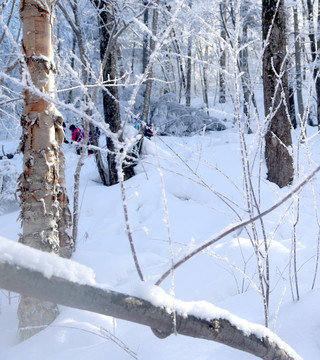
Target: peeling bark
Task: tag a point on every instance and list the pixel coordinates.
(44, 212)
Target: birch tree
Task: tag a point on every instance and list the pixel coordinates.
(45, 215)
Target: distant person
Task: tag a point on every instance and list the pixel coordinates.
(148, 132)
(77, 136)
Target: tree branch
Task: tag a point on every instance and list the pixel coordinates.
(225, 329)
(230, 229)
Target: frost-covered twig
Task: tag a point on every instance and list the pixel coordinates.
(238, 226)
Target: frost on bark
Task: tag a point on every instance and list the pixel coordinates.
(275, 82)
(44, 203)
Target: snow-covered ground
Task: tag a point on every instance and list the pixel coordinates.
(186, 191)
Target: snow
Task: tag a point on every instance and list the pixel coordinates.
(221, 281)
(15, 253)
(205, 310)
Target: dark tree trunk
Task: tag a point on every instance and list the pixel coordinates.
(314, 46)
(110, 96)
(223, 57)
(298, 52)
(189, 66)
(292, 108)
(245, 77)
(111, 109)
(276, 100)
(145, 49)
(149, 81)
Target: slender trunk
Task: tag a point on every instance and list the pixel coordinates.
(223, 58)
(189, 72)
(189, 66)
(298, 50)
(74, 40)
(245, 77)
(145, 49)
(177, 50)
(292, 107)
(76, 189)
(182, 76)
(149, 81)
(203, 66)
(133, 57)
(314, 46)
(205, 77)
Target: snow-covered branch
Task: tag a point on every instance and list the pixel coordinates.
(45, 278)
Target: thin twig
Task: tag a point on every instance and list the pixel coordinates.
(240, 225)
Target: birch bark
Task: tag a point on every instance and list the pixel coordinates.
(44, 202)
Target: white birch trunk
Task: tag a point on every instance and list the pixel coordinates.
(42, 191)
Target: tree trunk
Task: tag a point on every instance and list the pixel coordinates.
(275, 83)
(149, 81)
(145, 48)
(110, 96)
(109, 93)
(245, 77)
(205, 78)
(314, 46)
(264, 345)
(44, 203)
(292, 107)
(297, 53)
(189, 66)
(177, 49)
(223, 57)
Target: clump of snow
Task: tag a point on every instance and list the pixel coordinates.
(172, 118)
(48, 264)
(8, 186)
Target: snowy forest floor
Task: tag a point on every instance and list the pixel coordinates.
(224, 274)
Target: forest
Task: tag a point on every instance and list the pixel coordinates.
(159, 179)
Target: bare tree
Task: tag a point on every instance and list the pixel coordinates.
(276, 99)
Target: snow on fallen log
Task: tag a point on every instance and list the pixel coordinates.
(48, 277)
